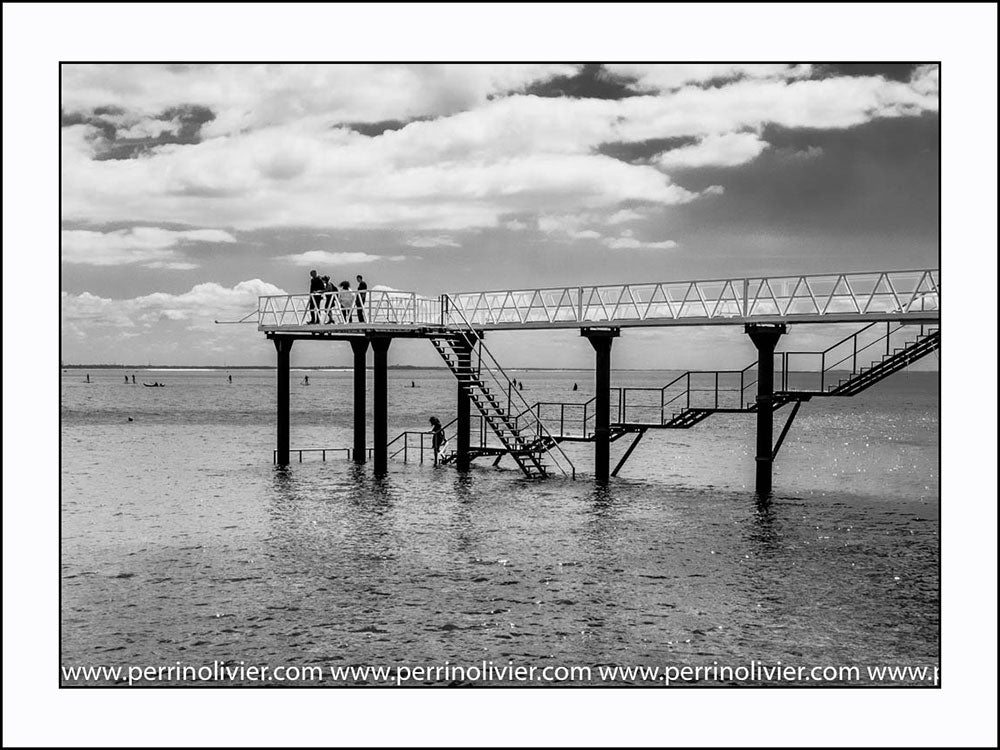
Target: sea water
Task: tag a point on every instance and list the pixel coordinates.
(182, 543)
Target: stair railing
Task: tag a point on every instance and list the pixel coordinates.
(845, 351)
(557, 455)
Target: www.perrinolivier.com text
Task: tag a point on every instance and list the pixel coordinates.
(489, 672)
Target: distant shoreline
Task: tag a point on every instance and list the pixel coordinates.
(391, 367)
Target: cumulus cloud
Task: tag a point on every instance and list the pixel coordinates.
(723, 150)
(320, 257)
(440, 240)
(652, 77)
(252, 96)
(276, 153)
(151, 246)
(627, 241)
(198, 307)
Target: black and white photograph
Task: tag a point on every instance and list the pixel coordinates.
(392, 379)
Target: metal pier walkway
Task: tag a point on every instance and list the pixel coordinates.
(826, 298)
(898, 311)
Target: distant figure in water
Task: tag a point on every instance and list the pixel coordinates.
(130, 419)
(574, 386)
(438, 438)
(88, 377)
(520, 386)
(305, 380)
(230, 380)
(126, 380)
(413, 384)
(513, 382)
(133, 378)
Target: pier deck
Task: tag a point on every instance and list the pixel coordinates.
(821, 298)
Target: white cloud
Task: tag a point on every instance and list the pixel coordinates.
(653, 77)
(723, 150)
(440, 240)
(631, 243)
(319, 257)
(199, 307)
(272, 159)
(625, 215)
(253, 96)
(151, 246)
(515, 225)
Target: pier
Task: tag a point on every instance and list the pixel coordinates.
(897, 314)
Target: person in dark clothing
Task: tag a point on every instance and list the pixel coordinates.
(438, 438)
(133, 378)
(359, 300)
(316, 288)
(574, 386)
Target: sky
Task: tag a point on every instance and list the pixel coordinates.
(189, 190)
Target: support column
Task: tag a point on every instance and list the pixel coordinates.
(284, 348)
(765, 338)
(360, 347)
(601, 340)
(380, 431)
(462, 406)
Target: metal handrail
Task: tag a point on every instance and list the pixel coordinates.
(912, 293)
(380, 307)
(553, 445)
(852, 355)
(780, 296)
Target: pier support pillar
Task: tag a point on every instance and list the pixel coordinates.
(765, 338)
(380, 431)
(360, 347)
(601, 340)
(463, 460)
(284, 348)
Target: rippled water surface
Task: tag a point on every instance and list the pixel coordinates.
(181, 541)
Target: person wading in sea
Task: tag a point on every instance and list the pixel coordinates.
(438, 439)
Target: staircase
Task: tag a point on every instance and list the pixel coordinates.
(901, 357)
(528, 441)
(840, 361)
(696, 395)
(531, 434)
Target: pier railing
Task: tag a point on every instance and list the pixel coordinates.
(786, 297)
(894, 295)
(713, 390)
(364, 308)
(818, 371)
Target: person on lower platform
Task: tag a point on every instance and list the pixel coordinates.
(438, 439)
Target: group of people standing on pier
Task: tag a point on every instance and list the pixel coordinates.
(329, 299)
